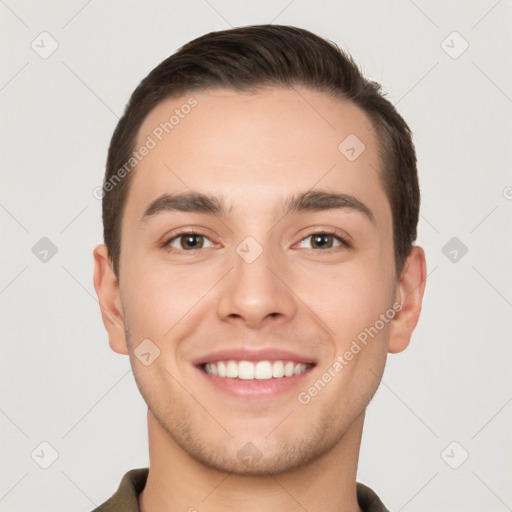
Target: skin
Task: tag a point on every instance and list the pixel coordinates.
(255, 150)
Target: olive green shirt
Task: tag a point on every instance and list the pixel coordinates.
(133, 482)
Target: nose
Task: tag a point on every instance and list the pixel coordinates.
(256, 293)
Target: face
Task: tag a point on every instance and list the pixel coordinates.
(251, 235)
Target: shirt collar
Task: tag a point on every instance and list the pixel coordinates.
(125, 499)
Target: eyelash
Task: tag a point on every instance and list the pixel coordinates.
(343, 242)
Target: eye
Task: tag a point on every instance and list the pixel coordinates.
(188, 241)
(325, 241)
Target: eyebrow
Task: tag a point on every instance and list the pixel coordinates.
(198, 202)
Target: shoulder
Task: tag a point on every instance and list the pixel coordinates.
(368, 499)
(125, 499)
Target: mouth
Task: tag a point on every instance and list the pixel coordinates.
(255, 380)
(259, 370)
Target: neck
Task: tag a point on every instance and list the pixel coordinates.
(178, 482)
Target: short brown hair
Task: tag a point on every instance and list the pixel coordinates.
(248, 59)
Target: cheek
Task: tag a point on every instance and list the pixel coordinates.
(159, 297)
(347, 298)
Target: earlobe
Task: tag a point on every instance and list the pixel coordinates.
(410, 289)
(107, 290)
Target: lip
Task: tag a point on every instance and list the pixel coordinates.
(255, 389)
(243, 354)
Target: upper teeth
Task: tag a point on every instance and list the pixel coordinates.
(262, 370)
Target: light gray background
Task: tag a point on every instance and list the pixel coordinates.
(61, 383)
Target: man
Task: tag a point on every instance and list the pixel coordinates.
(260, 207)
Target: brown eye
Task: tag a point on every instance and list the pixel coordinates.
(191, 241)
(319, 241)
(188, 241)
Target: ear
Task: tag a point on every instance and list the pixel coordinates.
(107, 290)
(409, 294)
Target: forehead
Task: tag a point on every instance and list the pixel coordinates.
(253, 149)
